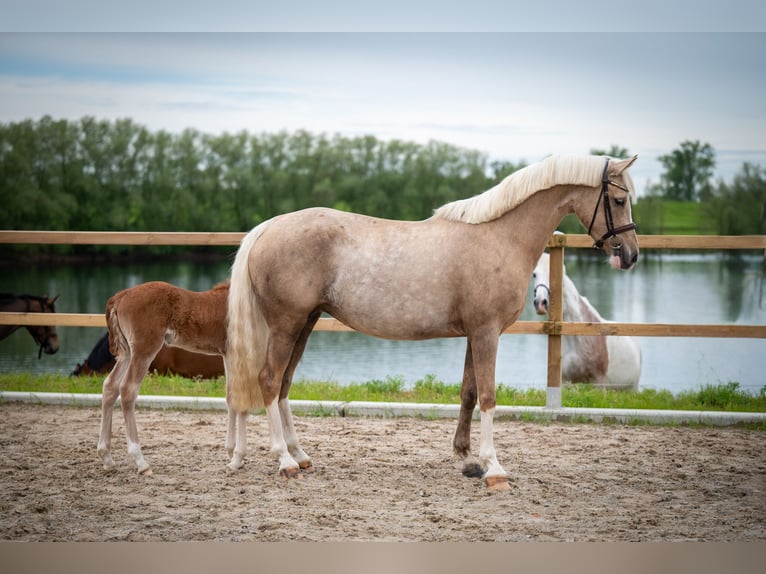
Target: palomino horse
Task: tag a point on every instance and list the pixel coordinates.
(462, 272)
(169, 361)
(605, 361)
(140, 321)
(46, 337)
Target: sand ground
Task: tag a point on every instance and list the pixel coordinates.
(376, 479)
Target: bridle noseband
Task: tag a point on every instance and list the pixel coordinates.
(544, 286)
(611, 230)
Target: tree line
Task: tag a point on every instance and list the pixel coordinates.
(104, 175)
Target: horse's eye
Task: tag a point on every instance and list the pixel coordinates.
(619, 201)
(534, 275)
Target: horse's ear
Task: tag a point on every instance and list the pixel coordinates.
(621, 165)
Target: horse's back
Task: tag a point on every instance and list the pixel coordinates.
(179, 361)
(387, 278)
(191, 319)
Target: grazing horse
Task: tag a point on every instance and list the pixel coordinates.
(46, 337)
(169, 361)
(463, 272)
(605, 361)
(140, 321)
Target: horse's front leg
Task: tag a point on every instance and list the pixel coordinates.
(462, 441)
(484, 347)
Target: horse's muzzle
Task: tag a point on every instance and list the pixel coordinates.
(541, 305)
(621, 256)
(49, 348)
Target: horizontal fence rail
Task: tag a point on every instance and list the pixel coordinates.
(554, 328)
(705, 242)
(518, 328)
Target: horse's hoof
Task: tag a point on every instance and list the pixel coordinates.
(473, 470)
(236, 463)
(145, 471)
(498, 483)
(288, 473)
(306, 466)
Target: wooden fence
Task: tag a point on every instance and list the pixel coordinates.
(554, 328)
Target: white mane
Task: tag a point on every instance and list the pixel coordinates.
(521, 184)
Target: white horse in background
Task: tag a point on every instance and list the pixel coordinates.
(613, 362)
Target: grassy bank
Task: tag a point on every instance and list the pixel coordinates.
(724, 397)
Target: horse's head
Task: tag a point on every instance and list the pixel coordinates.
(541, 279)
(607, 214)
(45, 336)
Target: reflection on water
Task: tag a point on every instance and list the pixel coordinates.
(673, 289)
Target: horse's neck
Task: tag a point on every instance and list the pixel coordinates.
(100, 355)
(532, 223)
(15, 305)
(6, 330)
(572, 301)
(12, 305)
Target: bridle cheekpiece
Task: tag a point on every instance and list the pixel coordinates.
(611, 230)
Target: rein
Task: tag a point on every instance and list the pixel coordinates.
(611, 230)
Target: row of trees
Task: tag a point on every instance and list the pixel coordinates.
(100, 175)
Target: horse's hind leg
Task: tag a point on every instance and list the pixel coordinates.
(462, 441)
(270, 378)
(109, 394)
(131, 383)
(291, 437)
(288, 426)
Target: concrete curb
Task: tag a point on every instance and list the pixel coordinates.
(423, 410)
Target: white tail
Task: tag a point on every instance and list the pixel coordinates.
(247, 332)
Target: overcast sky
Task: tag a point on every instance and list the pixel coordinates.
(512, 95)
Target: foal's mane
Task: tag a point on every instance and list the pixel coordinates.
(522, 184)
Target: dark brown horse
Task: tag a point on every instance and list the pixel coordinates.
(461, 273)
(45, 336)
(169, 361)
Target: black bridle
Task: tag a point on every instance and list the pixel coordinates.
(611, 230)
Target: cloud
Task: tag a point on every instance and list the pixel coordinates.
(513, 96)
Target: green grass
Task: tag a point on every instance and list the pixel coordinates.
(723, 397)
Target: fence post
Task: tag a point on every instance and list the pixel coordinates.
(555, 317)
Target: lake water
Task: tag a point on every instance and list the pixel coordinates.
(668, 289)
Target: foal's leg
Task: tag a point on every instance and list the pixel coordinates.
(131, 383)
(109, 394)
(484, 346)
(462, 440)
(236, 432)
(288, 426)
